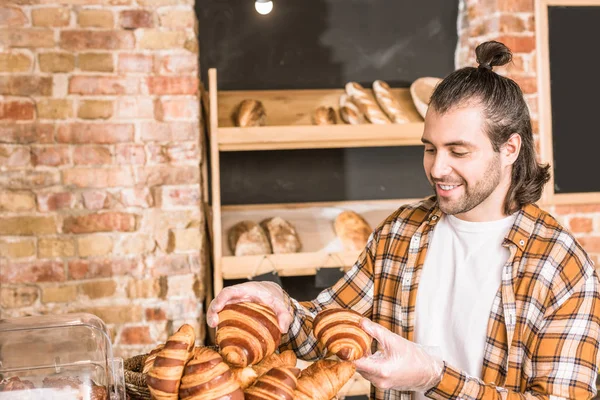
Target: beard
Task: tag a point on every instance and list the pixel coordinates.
(473, 195)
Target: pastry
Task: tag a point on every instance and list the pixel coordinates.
(325, 116)
(388, 103)
(277, 384)
(245, 376)
(247, 333)
(352, 230)
(323, 379)
(164, 377)
(149, 360)
(286, 358)
(247, 238)
(340, 332)
(250, 113)
(282, 235)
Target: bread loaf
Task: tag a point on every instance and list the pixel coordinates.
(15, 383)
(325, 116)
(349, 112)
(249, 113)
(366, 104)
(207, 377)
(247, 238)
(388, 103)
(149, 361)
(247, 333)
(323, 379)
(164, 377)
(352, 230)
(340, 332)
(286, 358)
(282, 235)
(277, 384)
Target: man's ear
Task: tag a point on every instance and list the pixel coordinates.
(511, 149)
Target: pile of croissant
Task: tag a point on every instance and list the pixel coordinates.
(246, 365)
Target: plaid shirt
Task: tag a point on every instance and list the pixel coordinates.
(544, 326)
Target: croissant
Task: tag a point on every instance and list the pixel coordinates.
(207, 377)
(323, 379)
(164, 377)
(247, 333)
(286, 358)
(245, 377)
(149, 361)
(340, 332)
(277, 384)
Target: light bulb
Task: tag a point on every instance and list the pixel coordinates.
(263, 7)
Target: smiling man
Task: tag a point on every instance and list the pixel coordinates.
(474, 293)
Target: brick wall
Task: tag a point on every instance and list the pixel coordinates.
(99, 164)
(512, 22)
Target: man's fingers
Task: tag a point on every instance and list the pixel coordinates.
(369, 365)
(377, 331)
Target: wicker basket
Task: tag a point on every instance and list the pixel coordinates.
(135, 380)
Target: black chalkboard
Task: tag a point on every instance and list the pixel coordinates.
(318, 44)
(290, 176)
(575, 86)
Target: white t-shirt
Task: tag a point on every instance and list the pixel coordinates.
(460, 278)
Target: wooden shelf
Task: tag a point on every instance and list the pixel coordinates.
(314, 137)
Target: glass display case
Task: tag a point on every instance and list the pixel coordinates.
(58, 357)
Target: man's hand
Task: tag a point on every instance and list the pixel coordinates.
(268, 293)
(400, 365)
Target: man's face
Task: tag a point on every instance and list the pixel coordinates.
(459, 160)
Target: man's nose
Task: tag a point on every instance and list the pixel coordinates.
(440, 167)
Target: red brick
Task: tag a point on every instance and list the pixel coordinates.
(17, 110)
(155, 314)
(577, 209)
(98, 177)
(174, 197)
(91, 155)
(177, 109)
(138, 197)
(130, 154)
(590, 244)
(91, 269)
(528, 84)
(103, 85)
(15, 62)
(580, 225)
(103, 133)
(174, 153)
(168, 265)
(32, 272)
(129, 107)
(172, 85)
(14, 156)
(78, 40)
(55, 201)
(27, 226)
(176, 64)
(25, 85)
(50, 155)
(512, 24)
(532, 103)
(135, 62)
(12, 16)
(31, 38)
(103, 222)
(136, 335)
(94, 199)
(51, 17)
(174, 18)
(29, 179)
(518, 44)
(26, 133)
(515, 5)
(168, 175)
(166, 132)
(133, 19)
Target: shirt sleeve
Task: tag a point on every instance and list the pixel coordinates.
(564, 360)
(354, 290)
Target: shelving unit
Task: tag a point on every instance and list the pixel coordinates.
(289, 120)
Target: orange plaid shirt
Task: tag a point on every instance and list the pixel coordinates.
(544, 326)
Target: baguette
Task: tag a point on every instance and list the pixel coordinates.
(388, 103)
(365, 102)
(349, 112)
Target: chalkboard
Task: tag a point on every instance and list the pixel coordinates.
(574, 87)
(319, 44)
(290, 176)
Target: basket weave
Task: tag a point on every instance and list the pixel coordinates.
(135, 380)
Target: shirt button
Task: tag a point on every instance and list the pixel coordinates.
(522, 242)
(434, 218)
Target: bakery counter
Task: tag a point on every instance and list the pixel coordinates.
(314, 225)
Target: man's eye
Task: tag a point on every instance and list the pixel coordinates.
(457, 154)
(430, 151)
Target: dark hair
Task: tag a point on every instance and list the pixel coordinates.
(505, 113)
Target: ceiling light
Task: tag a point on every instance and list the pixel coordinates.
(263, 7)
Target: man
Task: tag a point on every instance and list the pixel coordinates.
(474, 293)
